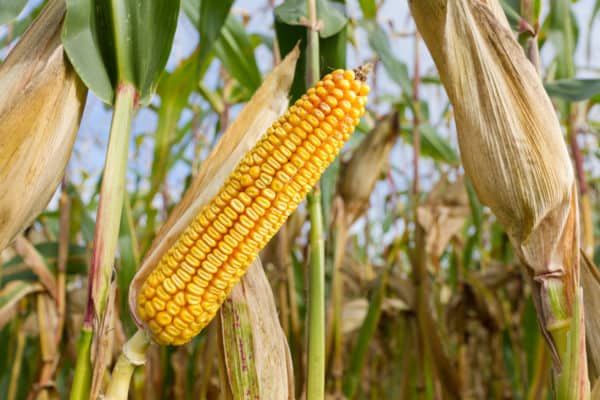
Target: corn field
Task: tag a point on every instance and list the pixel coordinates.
(299, 199)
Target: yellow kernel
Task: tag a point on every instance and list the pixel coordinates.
(314, 140)
(230, 241)
(338, 93)
(294, 119)
(209, 266)
(179, 299)
(255, 170)
(186, 316)
(262, 201)
(179, 324)
(203, 220)
(295, 139)
(289, 144)
(195, 289)
(300, 132)
(148, 291)
(331, 101)
(186, 240)
(269, 193)
(246, 222)
(197, 253)
(364, 90)
(325, 108)
(344, 84)
(169, 286)
(277, 185)
(196, 309)
(252, 191)
(217, 256)
(250, 212)
(224, 219)
(141, 312)
(162, 293)
(305, 155)
(192, 299)
(172, 308)
(279, 157)
(237, 205)
(246, 180)
(202, 279)
(208, 240)
(268, 169)
(274, 164)
(265, 180)
(150, 311)
(219, 227)
(165, 338)
(163, 318)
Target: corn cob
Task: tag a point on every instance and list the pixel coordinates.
(184, 291)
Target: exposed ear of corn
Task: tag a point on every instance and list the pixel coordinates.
(192, 279)
(40, 109)
(513, 150)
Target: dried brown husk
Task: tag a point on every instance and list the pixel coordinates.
(442, 215)
(40, 109)
(253, 341)
(510, 139)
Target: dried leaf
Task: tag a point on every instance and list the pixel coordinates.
(10, 296)
(353, 315)
(40, 109)
(359, 174)
(443, 214)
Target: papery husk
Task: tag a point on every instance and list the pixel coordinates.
(510, 139)
(253, 341)
(360, 173)
(268, 103)
(41, 104)
(442, 215)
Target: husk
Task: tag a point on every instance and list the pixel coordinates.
(590, 281)
(510, 139)
(268, 103)
(257, 357)
(40, 109)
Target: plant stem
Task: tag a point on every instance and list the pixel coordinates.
(316, 311)
(133, 355)
(83, 378)
(108, 220)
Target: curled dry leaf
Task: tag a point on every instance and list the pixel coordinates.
(510, 140)
(360, 173)
(443, 214)
(40, 110)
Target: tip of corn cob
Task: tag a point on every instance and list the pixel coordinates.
(185, 290)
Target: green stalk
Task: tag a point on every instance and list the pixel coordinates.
(106, 235)
(316, 310)
(133, 355)
(83, 378)
(570, 382)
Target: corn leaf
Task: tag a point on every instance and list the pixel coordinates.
(9, 10)
(573, 89)
(113, 42)
(295, 12)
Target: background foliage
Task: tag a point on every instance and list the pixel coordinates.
(479, 336)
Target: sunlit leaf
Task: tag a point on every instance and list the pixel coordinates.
(573, 89)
